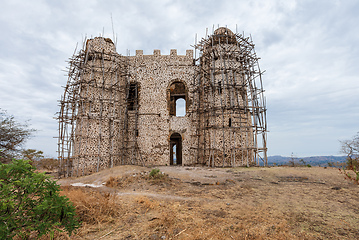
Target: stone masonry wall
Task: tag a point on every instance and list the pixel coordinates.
(155, 73)
(113, 129)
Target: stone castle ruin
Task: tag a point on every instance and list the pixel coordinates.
(119, 110)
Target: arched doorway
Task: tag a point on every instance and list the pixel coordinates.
(175, 149)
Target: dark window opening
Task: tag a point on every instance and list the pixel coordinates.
(136, 132)
(220, 87)
(230, 122)
(132, 96)
(176, 149)
(243, 95)
(90, 57)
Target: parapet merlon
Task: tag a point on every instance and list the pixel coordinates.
(173, 52)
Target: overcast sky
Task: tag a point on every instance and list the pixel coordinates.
(308, 49)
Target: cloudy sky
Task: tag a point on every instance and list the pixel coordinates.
(309, 50)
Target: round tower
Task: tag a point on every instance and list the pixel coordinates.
(92, 109)
(226, 120)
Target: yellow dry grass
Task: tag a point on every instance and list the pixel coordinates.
(259, 203)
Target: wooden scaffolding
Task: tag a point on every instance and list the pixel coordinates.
(90, 125)
(230, 106)
(99, 111)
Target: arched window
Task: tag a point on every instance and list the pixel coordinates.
(178, 99)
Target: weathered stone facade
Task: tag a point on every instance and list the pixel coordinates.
(122, 109)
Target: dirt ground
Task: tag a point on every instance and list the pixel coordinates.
(220, 203)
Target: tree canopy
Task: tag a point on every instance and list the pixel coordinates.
(12, 136)
(30, 202)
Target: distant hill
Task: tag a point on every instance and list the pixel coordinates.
(314, 160)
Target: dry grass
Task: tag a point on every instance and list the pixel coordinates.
(96, 211)
(142, 217)
(151, 177)
(93, 207)
(147, 218)
(275, 203)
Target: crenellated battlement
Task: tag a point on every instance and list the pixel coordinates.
(157, 58)
(173, 53)
(100, 44)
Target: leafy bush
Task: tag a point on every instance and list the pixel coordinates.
(30, 202)
(352, 162)
(354, 177)
(156, 173)
(156, 176)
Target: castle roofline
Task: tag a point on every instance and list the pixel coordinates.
(157, 53)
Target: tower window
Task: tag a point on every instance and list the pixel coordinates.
(132, 98)
(177, 99)
(220, 87)
(180, 107)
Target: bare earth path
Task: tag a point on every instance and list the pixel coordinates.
(227, 203)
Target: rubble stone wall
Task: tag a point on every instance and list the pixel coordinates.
(113, 129)
(155, 74)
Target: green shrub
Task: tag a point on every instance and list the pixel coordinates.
(157, 176)
(352, 162)
(155, 173)
(30, 202)
(347, 175)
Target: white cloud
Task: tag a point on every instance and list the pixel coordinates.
(308, 48)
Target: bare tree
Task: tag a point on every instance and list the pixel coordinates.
(12, 136)
(351, 149)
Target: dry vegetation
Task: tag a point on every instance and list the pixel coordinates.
(202, 203)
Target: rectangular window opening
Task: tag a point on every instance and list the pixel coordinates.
(132, 96)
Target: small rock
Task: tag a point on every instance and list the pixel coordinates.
(196, 183)
(154, 237)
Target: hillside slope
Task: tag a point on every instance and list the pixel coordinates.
(314, 160)
(220, 203)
